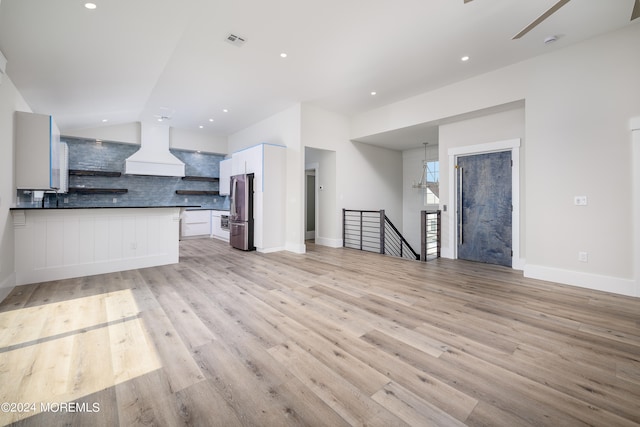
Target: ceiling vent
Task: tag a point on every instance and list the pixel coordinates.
(235, 40)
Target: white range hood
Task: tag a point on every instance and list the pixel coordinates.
(153, 157)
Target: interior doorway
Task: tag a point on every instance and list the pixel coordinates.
(484, 201)
(512, 209)
(310, 204)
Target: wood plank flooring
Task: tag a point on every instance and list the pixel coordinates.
(334, 337)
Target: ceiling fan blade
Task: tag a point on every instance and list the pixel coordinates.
(467, 1)
(541, 18)
(636, 10)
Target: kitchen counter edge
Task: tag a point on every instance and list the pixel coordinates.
(29, 208)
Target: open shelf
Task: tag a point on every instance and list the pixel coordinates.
(83, 190)
(82, 172)
(200, 178)
(197, 192)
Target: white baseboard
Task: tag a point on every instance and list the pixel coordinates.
(614, 285)
(296, 248)
(270, 250)
(518, 264)
(7, 286)
(332, 243)
(80, 270)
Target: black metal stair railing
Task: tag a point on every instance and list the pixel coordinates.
(372, 231)
(430, 233)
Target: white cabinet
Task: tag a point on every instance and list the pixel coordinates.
(195, 223)
(268, 164)
(37, 157)
(225, 175)
(216, 225)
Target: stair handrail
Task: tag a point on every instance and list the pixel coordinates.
(402, 239)
(383, 237)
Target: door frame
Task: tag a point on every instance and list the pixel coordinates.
(512, 145)
(311, 169)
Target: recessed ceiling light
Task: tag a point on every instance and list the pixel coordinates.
(464, 58)
(225, 111)
(283, 55)
(201, 127)
(374, 93)
(105, 120)
(90, 6)
(210, 120)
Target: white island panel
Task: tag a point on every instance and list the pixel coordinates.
(53, 244)
(71, 238)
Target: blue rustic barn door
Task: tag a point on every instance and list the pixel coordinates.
(484, 200)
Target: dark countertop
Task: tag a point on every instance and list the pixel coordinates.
(32, 208)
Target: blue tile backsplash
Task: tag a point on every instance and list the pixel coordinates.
(141, 190)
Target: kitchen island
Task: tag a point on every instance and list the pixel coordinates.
(62, 243)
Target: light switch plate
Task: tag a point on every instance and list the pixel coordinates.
(580, 200)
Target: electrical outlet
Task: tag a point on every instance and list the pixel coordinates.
(186, 200)
(134, 245)
(580, 200)
(115, 200)
(65, 200)
(583, 257)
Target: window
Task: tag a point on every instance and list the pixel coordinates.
(432, 193)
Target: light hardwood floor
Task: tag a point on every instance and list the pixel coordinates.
(333, 337)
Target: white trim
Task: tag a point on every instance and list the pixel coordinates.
(270, 250)
(584, 280)
(295, 248)
(315, 168)
(325, 241)
(7, 286)
(512, 145)
(488, 147)
(635, 197)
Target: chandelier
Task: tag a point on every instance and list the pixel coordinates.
(423, 179)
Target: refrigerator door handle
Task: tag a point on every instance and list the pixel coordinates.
(234, 183)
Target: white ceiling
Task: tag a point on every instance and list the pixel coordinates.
(128, 59)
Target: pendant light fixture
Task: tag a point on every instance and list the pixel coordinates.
(422, 184)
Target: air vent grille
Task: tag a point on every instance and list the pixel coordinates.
(235, 40)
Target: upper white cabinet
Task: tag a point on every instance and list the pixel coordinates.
(268, 164)
(37, 153)
(225, 175)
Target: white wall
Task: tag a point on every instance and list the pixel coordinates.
(367, 177)
(198, 140)
(183, 139)
(328, 231)
(127, 132)
(481, 130)
(10, 101)
(634, 126)
(282, 129)
(488, 90)
(578, 104)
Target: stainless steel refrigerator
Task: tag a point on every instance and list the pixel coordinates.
(241, 212)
